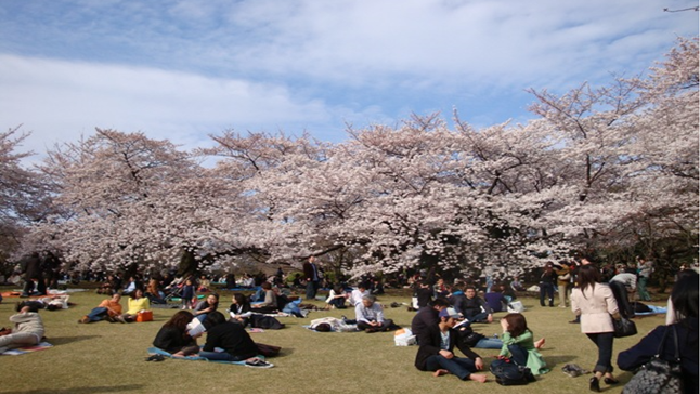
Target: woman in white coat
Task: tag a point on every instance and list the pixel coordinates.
(595, 303)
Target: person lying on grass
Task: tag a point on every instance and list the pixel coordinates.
(435, 350)
(27, 331)
(109, 310)
(174, 338)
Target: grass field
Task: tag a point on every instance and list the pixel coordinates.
(109, 358)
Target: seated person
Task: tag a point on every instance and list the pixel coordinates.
(435, 351)
(370, 315)
(210, 304)
(269, 301)
(134, 283)
(174, 338)
(109, 286)
(682, 332)
(337, 297)
(427, 316)
(109, 310)
(516, 285)
(27, 331)
(356, 295)
(457, 299)
(240, 309)
(230, 337)
(422, 294)
(136, 303)
(153, 293)
(475, 309)
(518, 344)
(204, 284)
(496, 299)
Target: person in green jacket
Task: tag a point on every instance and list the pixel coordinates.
(519, 345)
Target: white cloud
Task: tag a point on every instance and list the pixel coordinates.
(184, 68)
(58, 101)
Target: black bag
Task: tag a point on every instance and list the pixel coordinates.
(265, 322)
(623, 327)
(509, 374)
(658, 376)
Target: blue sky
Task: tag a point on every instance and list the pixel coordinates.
(185, 69)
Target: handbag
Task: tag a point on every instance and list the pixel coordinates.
(509, 374)
(658, 376)
(623, 327)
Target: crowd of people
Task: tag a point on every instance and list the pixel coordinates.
(444, 320)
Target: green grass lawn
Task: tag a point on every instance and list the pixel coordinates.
(109, 358)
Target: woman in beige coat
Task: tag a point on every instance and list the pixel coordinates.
(595, 303)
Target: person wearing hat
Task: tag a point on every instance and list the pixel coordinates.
(370, 315)
(435, 350)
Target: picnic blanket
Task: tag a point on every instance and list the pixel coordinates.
(347, 328)
(27, 349)
(155, 350)
(655, 310)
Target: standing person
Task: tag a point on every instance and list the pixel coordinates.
(563, 276)
(188, 294)
(684, 298)
(547, 283)
(595, 303)
(435, 347)
(27, 331)
(311, 274)
(644, 269)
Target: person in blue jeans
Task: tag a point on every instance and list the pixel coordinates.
(547, 283)
(232, 338)
(435, 350)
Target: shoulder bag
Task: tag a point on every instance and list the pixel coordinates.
(658, 376)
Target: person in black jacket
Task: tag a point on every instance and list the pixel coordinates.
(174, 338)
(435, 351)
(475, 309)
(684, 298)
(427, 316)
(230, 336)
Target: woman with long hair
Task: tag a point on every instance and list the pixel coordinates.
(174, 338)
(518, 342)
(684, 297)
(595, 303)
(240, 309)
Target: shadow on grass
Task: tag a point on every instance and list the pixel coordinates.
(557, 361)
(77, 338)
(84, 389)
(286, 351)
